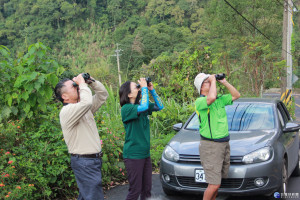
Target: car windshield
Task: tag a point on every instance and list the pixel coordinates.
(243, 117)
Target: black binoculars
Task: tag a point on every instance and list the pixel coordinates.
(86, 77)
(220, 76)
(148, 79)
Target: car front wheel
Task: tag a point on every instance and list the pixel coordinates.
(284, 178)
(283, 185)
(296, 171)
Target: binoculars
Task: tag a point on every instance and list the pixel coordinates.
(220, 76)
(86, 77)
(148, 79)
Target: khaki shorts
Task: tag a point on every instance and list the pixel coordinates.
(215, 159)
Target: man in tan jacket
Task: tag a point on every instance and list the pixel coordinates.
(80, 132)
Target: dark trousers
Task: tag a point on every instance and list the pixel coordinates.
(88, 177)
(139, 173)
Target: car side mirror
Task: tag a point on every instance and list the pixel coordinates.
(291, 127)
(177, 127)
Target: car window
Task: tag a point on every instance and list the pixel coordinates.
(285, 111)
(194, 123)
(244, 116)
(280, 118)
(282, 113)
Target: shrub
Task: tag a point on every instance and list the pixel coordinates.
(40, 158)
(157, 146)
(112, 134)
(12, 184)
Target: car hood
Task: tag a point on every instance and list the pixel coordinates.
(241, 143)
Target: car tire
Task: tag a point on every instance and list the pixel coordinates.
(284, 178)
(284, 181)
(296, 171)
(169, 192)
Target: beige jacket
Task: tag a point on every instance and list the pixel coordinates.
(77, 120)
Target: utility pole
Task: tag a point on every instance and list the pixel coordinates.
(284, 42)
(289, 61)
(118, 62)
(287, 83)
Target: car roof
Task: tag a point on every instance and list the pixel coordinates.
(257, 100)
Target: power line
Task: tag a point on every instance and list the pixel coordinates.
(249, 22)
(252, 24)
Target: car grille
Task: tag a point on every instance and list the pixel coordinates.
(173, 181)
(250, 183)
(183, 158)
(233, 183)
(189, 158)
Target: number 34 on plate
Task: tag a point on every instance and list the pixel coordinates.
(199, 176)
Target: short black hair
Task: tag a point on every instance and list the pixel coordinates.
(123, 93)
(58, 89)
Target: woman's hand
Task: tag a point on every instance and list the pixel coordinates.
(142, 82)
(150, 86)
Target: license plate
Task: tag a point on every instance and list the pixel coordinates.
(199, 176)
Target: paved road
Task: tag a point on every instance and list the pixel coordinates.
(120, 192)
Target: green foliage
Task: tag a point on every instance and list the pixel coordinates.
(44, 160)
(12, 184)
(258, 68)
(157, 146)
(112, 136)
(247, 57)
(40, 160)
(136, 24)
(175, 74)
(161, 123)
(291, 106)
(27, 82)
(31, 21)
(139, 47)
(88, 55)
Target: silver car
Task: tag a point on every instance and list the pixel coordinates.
(264, 144)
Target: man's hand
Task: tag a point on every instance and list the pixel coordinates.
(211, 78)
(79, 79)
(89, 81)
(212, 93)
(234, 93)
(222, 81)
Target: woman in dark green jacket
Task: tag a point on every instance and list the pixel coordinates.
(136, 151)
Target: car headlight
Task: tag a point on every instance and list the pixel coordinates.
(257, 156)
(170, 154)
